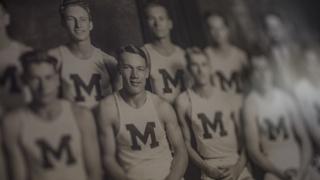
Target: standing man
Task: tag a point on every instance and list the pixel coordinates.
(137, 127)
(204, 111)
(50, 138)
(274, 132)
(11, 90)
(89, 73)
(168, 64)
(227, 61)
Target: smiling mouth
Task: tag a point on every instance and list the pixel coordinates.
(135, 83)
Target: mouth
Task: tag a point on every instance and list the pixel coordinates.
(135, 83)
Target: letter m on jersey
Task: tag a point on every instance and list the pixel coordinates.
(274, 130)
(217, 123)
(228, 83)
(79, 84)
(136, 134)
(167, 79)
(49, 152)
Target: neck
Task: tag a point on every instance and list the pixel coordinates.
(47, 111)
(81, 49)
(266, 93)
(163, 43)
(224, 46)
(4, 40)
(136, 100)
(203, 90)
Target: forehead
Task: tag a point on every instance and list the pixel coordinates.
(273, 20)
(216, 21)
(132, 59)
(75, 10)
(156, 10)
(40, 69)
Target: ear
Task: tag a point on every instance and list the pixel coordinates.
(91, 25)
(170, 24)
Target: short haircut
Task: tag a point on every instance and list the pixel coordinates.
(156, 3)
(133, 50)
(37, 57)
(81, 3)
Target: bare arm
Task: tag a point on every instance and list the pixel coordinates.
(90, 145)
(305, 145)
(11, 130)
(251, 135)
(183, 108)
(107, 119)
(180, 158)
(112, 67)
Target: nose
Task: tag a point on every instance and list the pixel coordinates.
(134, 73)
(77, 23)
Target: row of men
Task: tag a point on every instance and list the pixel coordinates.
(58, 140)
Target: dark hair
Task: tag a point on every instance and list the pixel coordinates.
(156, 3)
(134, 50)
(37, 57)
(4, 5)
(82, 3)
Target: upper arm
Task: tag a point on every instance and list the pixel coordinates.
(182, 106)
(251, 131)
(106, 119)
(111, 64)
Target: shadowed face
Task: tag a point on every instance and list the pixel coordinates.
(77, 22)
(43, 81)
(218, 29)
(159, 22)
(200, 69)
(134, 73)
(276, 29)
(262, 74)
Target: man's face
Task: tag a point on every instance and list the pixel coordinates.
(218, 29)
(4, 18)
(159, 22)
(77, 23)
(200, 69)
(262, 73)
(276, 29)
(134, 73)
(43, 82)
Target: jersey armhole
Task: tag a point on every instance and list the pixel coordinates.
(117, 127)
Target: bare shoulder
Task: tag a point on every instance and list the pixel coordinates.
(108, 111)
(12, 122)
(107, 58)
(163, 108)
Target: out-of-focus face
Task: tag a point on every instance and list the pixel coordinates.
(312, 64)
(276, 29)
(200, 70)
(43, 81)
(134, 73)
(77, 22)
(159, 22)
(262, 76)
(218, 29)
(4, 18)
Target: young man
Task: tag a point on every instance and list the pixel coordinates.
(89, 73)
(137, 127)
(50, 138)
(274, 132)
(227, 61)
(206, 112)
(168, 66)
(285, 51)
(11, 90)
(307, 94)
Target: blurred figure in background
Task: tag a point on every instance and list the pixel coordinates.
(204, 110)
(227, 62)
(275, 135)
(168, 65)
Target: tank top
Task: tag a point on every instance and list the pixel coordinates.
(168, 73)
(142, 144)
(53, 149)
(213, 124)
(278, 141)
(88, 80)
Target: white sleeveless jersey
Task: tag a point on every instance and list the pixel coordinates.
(278, 140)
(213, 124)
(11, 90)
(53, 150)
(226, 72)
(168, 73)
(143, 148)
(88, 80)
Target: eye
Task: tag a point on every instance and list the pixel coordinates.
(141, 68)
